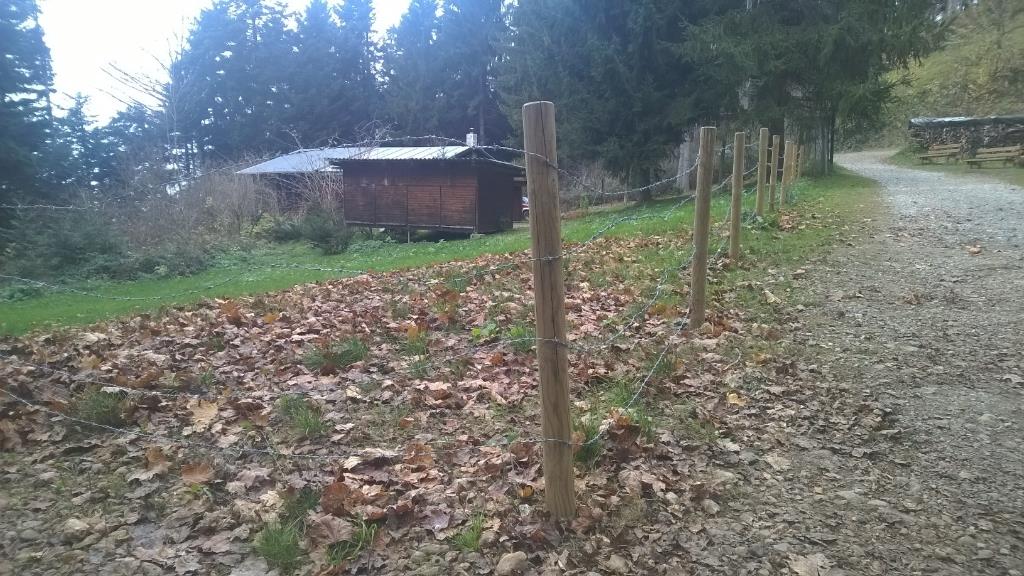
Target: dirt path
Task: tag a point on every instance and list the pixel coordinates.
(929, 339)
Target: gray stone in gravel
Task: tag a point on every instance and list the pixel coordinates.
(618, 564)
(984, 554)
(512, 564)
(850, 495)
(74, 530)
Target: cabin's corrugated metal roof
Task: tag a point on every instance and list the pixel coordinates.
(321, 159)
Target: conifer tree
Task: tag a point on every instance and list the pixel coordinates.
(470, 33)
(413, 71)
(26, 80)
(814, 63)
(239, 56)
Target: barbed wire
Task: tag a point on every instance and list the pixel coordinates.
(376, 143)
(519, 262)
(211, 446)
(640, 384)
(40, 207)
(473, 350)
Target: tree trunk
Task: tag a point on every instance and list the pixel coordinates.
(818, 146)
(831, 141)
(685, 161)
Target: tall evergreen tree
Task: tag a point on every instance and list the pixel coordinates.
(815, 63)
(413, 71)
(612, 71)
(356, 18)
(334, 89)
(238, 58)
(470, 34)
(135, 154)
(26, 80)
(74, 149)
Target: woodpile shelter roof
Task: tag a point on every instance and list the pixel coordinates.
(325, 159)
(965, 121)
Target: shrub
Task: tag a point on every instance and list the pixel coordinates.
(325, 232)
(92, 245)
(282, 230)
(318, 227)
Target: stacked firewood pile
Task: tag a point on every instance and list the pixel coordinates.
(973, 133)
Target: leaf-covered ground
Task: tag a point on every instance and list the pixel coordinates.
(389, 423)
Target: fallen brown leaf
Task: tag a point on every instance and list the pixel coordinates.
(198, 473)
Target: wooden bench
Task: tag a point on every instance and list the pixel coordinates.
(1006, 155)
(945, 151)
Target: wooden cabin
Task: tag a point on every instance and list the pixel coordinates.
(447, 188)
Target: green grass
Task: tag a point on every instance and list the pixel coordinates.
(361, 540)
(98, 407)
(278, 543)
(1012, 174)
(304, 417)
(621, 396)
(468, 539)
(683, 420)
(523, 338)
(416, 345)
(267, 269)
(333, 356)
(296, 505)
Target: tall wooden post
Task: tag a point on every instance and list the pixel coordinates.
(739, 147)
(799, 161)
(549, 299)
(787, 173)
(701, 227)
(762, 160)
(774, 174)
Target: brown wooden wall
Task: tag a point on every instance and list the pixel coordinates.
(429, 195)
(500, 199)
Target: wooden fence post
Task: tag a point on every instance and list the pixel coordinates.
(701, 227)
(739, 147)
(762, 160)
(549, 300)
(774, 174)
(787, 163)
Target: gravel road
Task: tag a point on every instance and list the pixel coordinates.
(922, 316)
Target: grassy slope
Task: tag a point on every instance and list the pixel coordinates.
(257, 275)
(1013, 175)
(977, 72)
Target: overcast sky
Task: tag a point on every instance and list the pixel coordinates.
(85, 36)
